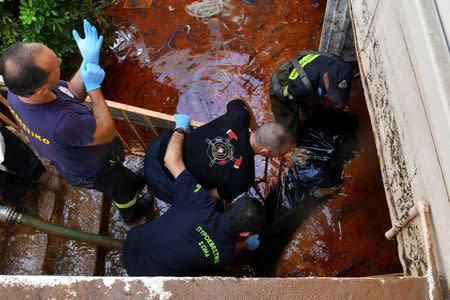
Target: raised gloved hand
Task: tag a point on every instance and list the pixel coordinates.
(182, 121)
(253, 242)
(90, 45)
(92, 76)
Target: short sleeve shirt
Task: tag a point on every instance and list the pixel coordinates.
(219, 155)
(61, 131)
(189, 239)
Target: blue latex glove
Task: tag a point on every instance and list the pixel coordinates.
(253, 242)
(182, 121)
(92, 76)
(90, 45)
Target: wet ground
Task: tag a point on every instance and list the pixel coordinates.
(207, 62)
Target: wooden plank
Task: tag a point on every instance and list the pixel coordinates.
(127, 147)
(4, 117)
(9, 122)
(160, 117)
(4, 101)
(150, 125)
(132, 128)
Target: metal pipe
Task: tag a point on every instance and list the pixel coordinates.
(399, 224)
(9, 215)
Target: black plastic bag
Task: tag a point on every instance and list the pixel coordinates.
(329, 138)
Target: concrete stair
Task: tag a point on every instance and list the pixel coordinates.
(82, 211)
(25, 248)
(26, 251)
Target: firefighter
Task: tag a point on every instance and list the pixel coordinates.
(310, 79)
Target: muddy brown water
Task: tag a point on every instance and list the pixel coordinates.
(237, 52)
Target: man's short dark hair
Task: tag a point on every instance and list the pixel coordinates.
(21, 74)
(245, 214)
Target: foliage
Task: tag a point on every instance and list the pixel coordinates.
(51, 22)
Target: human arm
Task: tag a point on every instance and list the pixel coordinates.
(93, 76)
(215, 194)
(76, 86)
(252, 123)
(173, 159)
(251, 243)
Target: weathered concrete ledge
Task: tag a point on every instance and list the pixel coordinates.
(57, 287)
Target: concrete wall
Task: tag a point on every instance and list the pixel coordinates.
(404, 59)
(48, 287)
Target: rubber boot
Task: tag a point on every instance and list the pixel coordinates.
(139, 209)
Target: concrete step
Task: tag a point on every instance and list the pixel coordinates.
(82, 211)
(25, 248)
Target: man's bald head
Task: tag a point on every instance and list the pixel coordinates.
(272, 139)
(20, 72)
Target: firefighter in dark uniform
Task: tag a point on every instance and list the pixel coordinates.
(312, 78)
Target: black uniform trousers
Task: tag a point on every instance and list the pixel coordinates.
(23, 167)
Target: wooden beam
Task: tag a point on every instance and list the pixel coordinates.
(4, 101)
(8, 121)
(166, 118)
(132, 128)
(150, 125)
(127, 147)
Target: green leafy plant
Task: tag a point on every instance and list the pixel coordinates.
(51, 22)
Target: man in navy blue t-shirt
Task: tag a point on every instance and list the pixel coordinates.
(191, 238)
(80, 143)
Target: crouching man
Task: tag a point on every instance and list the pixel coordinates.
(191, 238)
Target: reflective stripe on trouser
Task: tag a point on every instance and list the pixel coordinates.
(128, 204)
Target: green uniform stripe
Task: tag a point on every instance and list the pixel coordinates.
(197, 188)
(128, 204)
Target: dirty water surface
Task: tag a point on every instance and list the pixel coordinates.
(236, 52)
(206, 62)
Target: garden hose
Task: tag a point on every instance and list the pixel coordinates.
(9, 216)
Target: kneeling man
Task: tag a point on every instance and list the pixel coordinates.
(191, 238)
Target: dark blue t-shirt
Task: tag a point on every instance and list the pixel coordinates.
(190, 238)
(61, 131)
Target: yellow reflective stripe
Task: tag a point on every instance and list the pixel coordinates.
(197, 188)
(303, 62)
(126, 205)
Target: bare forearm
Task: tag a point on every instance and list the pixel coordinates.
(173, 159)
(240, 246)
(76, 87)
(252, 125)
(105, 130)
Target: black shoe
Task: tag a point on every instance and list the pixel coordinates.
(145, 203)
(141, 174)
(131, 214)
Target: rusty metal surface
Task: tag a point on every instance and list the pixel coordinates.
(46, 287)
